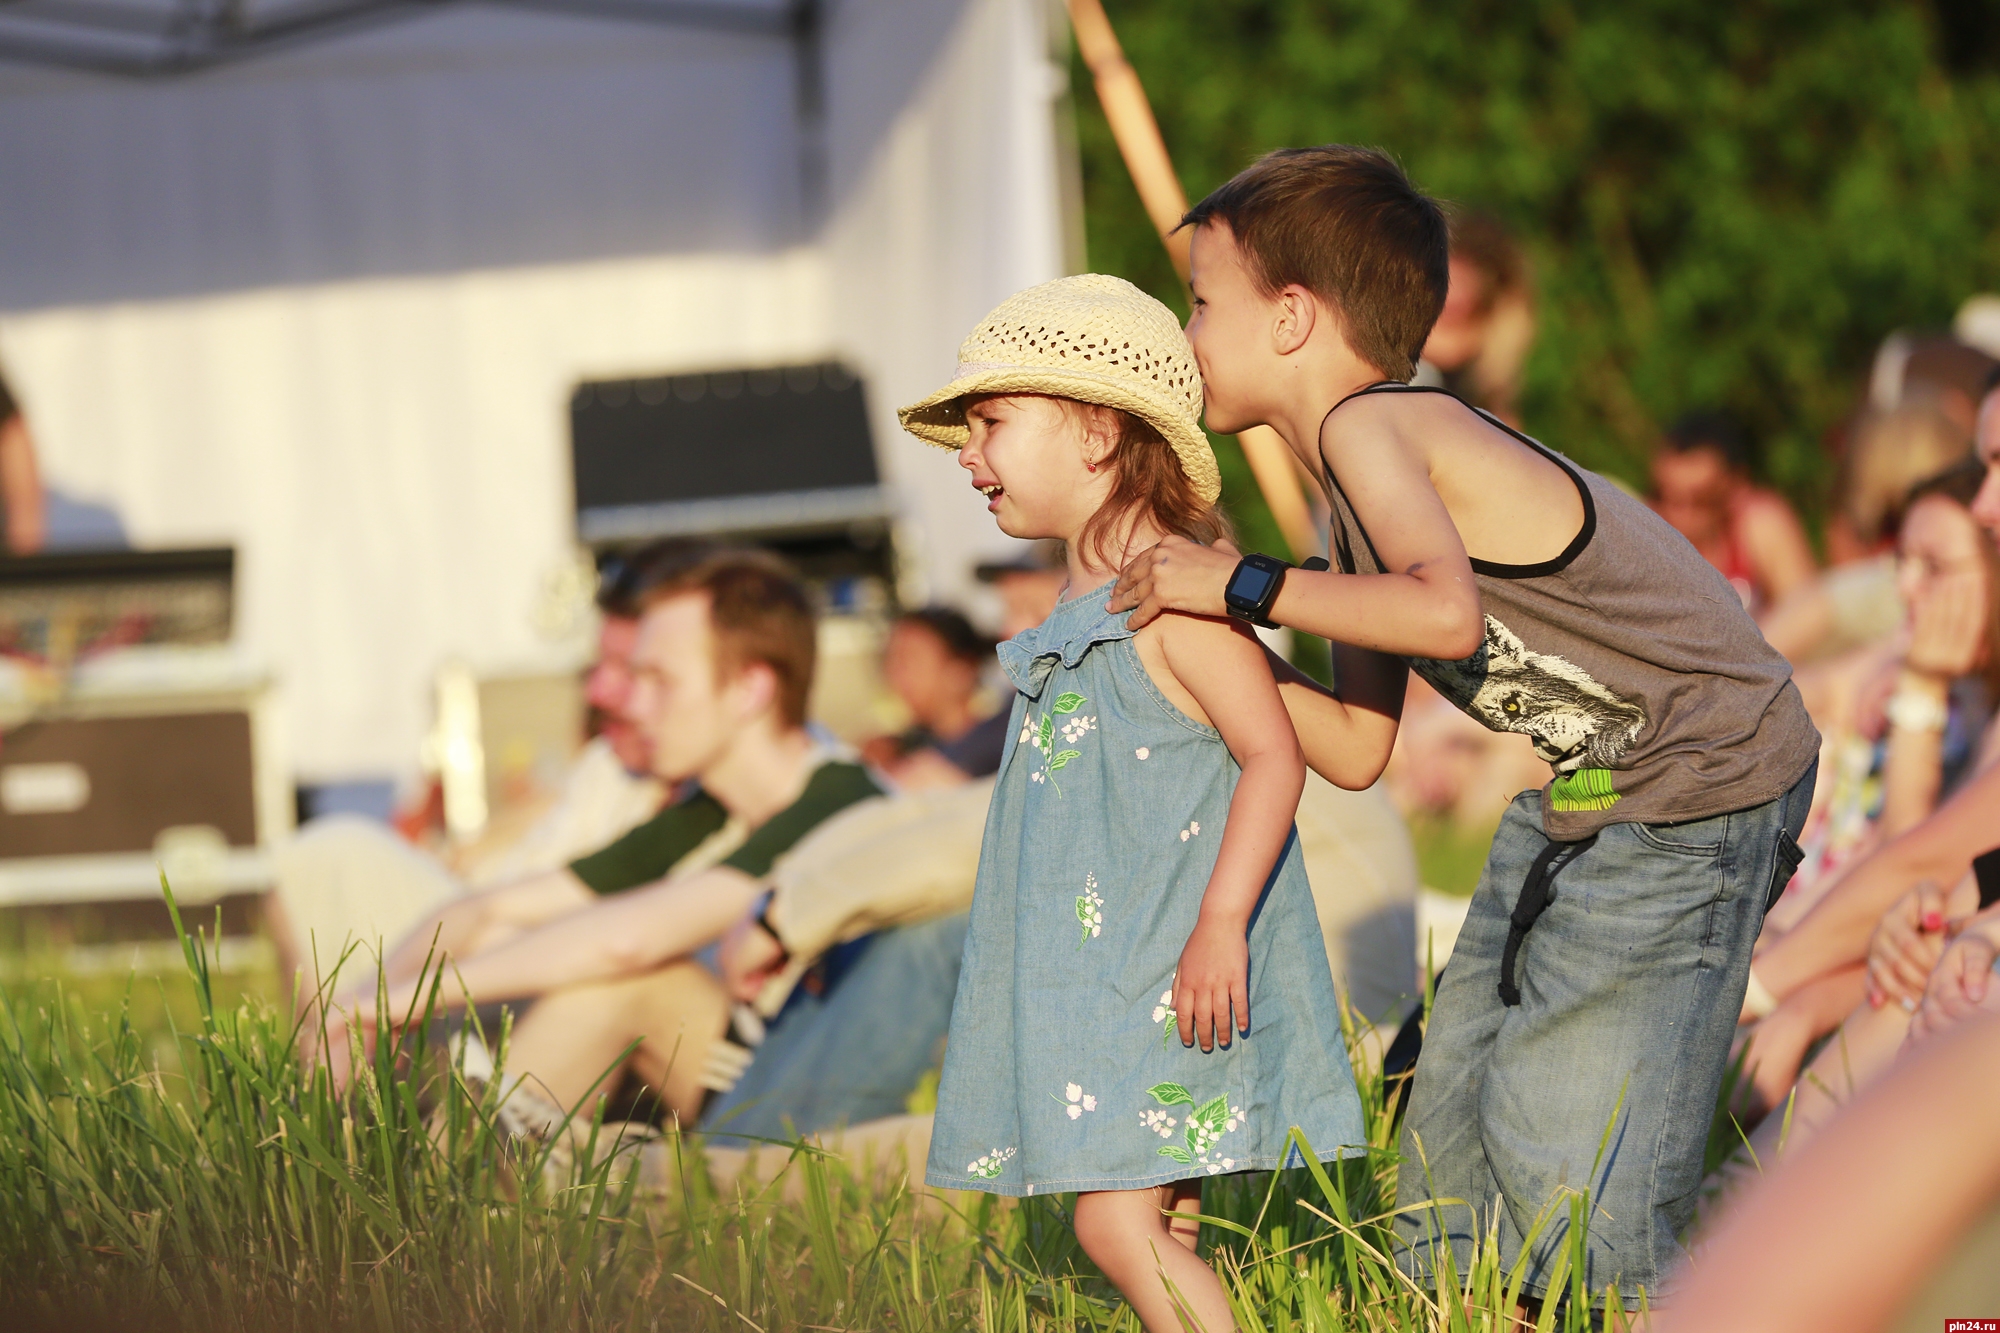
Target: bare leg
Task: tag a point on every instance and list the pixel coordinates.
(573, 1035)
(1867, 1043)
(1127, 1234)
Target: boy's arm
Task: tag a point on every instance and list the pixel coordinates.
(1346, 732)
(1428, 606)
(1221, 664)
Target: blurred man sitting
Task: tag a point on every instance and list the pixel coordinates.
(722, 670)
(349, 880)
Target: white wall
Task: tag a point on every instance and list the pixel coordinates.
(328, 307)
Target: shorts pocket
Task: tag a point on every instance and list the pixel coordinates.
(1784, 866)
(1700, 837)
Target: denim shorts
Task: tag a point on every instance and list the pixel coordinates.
(1604, 1077)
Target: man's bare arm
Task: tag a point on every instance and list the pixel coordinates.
(612, 937)
(465, 926)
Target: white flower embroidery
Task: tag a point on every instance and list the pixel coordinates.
(1144, 752)
(1206, 1124)
(1164, 1012)
(1027, 730)
(1191, 831)
(1040, 732)
(988, 1167)
(1079, 1101)
(1157, 1120)
(1090, 911)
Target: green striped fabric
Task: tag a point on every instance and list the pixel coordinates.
(1585, 789)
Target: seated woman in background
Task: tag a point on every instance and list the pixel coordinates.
(1903, 721)
(1926, 721)
(934, 662)
(1701, 485)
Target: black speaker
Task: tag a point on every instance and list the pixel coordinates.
(772, 452)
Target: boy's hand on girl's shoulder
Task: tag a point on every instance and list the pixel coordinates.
(1176, 575)
(1213, 981)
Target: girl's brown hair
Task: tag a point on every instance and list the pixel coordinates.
(1146, 479)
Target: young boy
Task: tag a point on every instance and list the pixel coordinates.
(1580, 1035)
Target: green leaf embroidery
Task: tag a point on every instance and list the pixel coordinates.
(1211, 1114)
(1062, 760)
(1048, 729)
(1180, 1155)
(1173, 1094)
(1068, 703)
(1083, 910)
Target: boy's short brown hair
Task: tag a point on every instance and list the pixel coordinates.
(1346, 224)
(759, 614)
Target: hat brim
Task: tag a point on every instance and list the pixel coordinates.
(939, 418)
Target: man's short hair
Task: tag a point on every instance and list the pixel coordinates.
(961, 639)
(1710, 428)
(624, 579)
(1346, 224)
(759, 613)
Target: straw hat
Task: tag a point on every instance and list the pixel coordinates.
(1092, 338)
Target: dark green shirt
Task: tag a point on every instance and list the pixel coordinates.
(651, 850)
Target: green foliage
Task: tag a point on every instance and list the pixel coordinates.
(1724, 204)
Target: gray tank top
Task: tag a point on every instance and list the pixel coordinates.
(1628, 660)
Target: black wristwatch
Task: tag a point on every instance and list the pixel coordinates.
(1254, 586)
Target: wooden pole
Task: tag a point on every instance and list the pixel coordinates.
(1123, 98)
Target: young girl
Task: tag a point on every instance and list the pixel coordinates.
(1140, 893)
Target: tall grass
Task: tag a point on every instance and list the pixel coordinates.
(228, 1190)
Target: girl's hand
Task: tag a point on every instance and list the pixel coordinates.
(1176, 575)
(1961, 986)
(1214, 978)
(1906, 946)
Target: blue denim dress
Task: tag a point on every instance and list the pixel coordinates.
(1064, 1069)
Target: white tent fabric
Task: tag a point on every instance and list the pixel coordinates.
(328, 306)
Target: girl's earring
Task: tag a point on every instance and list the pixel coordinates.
(1091, 466)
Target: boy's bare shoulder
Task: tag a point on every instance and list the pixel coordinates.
(1406, 422)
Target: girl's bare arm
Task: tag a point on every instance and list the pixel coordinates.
(1222, 665)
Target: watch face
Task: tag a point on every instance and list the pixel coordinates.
(1249, 584)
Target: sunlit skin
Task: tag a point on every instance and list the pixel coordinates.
(608, 688)
(1986, 504)
(1942, 565)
